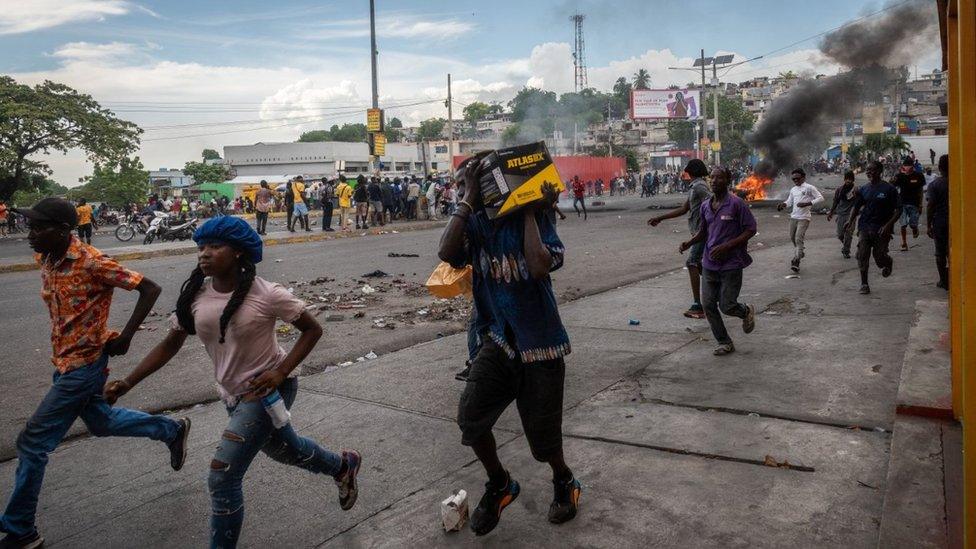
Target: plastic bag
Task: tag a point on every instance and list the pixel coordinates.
(448, 282)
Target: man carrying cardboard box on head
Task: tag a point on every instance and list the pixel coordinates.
(524, 340)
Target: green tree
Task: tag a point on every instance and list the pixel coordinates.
(210, 154)
(522, 133)
(885, 143)
(642, 79)
(395, 123)
(475, 112)
(682, 132)
(52, 117)
(620, 103)
(788, 75)
(349, 133)
(533, 104)
(431, 129)
(38, 187)
(205, 173)
(116, 185)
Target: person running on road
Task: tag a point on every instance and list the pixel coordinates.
(842, 206)
(801, 199)
(523, 343)
(579, 196)
(78, 282)
(697, 195)
(937, 218)
(345, 193)
(233, 312)
(910, 184)
(726, 226)
(85, 221)
(289, 206)
(878, 206)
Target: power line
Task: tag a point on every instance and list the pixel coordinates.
(287, 118)
(245, 130)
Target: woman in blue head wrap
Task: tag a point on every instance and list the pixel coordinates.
(233, 312)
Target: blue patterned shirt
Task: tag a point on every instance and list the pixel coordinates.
(517, 312)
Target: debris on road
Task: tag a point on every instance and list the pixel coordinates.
(395, 254)
(454, 511)
(376, 274)
(371, 356)
(367, 289)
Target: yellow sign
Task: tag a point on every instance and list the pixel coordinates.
(379, 144)
(374, 120)
(844, 147)
(716, 146)
(872, 119)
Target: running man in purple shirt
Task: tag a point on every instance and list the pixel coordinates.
(726, 227)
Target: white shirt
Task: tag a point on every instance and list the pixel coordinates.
(804, 192)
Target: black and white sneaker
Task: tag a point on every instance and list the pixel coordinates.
(30, 541)
(348, 488)
(177, 448)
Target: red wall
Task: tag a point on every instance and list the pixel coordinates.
(586, 167)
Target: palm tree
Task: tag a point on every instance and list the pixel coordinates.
(642, 79)
(788, 75)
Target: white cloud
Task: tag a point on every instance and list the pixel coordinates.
(401, 26)
(85, 51)
(31, 15)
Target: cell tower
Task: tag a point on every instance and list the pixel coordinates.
(579, 60)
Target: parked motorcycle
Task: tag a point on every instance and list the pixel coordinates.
(108, 217)
(162, 228)
(130, 226)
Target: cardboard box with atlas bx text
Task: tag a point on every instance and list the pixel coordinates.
(513, 177)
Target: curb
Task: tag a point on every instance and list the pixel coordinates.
(316, 236)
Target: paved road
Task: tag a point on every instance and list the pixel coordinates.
(612, 248)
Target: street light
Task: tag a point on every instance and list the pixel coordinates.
(726, 62)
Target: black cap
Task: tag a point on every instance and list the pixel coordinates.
(52, 210)
(907, 161)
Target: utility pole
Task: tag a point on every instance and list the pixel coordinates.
(704, 128)
(450, 128)
(718, 153)
(372, 55)
(609, 132)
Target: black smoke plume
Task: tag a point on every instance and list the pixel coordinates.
(799, 122)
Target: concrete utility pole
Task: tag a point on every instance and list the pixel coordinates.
(372, 55)
(718, 153)
(372, 51)
(701, 108)
(609, 132)
(450, 128)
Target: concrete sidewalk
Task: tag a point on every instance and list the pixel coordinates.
(784, 443)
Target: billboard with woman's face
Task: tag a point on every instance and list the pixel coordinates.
(678, 104)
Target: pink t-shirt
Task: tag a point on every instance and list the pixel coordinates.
(249, 346)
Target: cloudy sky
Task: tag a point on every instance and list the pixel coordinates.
(209, 73)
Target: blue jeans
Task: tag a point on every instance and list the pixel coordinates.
(248, 432)
(74, 394)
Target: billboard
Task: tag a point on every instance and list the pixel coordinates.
(678, 104)
(872, 119)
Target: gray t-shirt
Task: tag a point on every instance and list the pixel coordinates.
(844, 200)
(697, 194)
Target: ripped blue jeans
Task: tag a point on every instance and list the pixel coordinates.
(248, 432)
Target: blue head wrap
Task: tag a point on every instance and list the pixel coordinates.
(233, 231)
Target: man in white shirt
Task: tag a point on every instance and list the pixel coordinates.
(802, 198)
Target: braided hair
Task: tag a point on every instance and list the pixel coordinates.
(191, 287)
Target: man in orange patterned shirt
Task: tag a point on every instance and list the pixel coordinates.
(78, 282)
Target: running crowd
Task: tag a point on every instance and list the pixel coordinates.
(517, 342)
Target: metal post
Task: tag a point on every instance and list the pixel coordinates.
(450, 128)
(701, 108)
(372, 51)
(718, 153)
(372, 55)
(609, 132)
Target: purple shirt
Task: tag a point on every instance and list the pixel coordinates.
(731, 219)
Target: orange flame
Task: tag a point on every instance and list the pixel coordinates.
(755, 186)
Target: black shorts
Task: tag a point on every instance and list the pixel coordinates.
(85, 231)
(537, 388)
